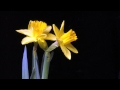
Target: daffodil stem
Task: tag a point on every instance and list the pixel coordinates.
(35, 46)
(46, 64)
(34, 54)
(35, 67)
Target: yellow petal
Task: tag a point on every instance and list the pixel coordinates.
(29, 25)
(72, 48)
(42, 44)
(62, 28)
(56, 30)
(66, 52)
(47, 29)
(27, 40)
(51, 37)
(25, 32)
(43, 36)
(42, 24)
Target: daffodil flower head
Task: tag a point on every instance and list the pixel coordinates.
(68, 37)
(64, 40)
(38, 31)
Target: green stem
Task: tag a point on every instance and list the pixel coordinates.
(46, 64)
(35, 67)
(34, 54)
(35, 46)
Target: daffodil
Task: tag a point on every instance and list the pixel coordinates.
(64, 40)
(38, 31)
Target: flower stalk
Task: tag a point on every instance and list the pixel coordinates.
(35, 67)
(46, 65)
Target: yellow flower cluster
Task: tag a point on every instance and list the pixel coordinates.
(39, 31)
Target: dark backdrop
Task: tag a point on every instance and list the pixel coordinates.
(98, 44)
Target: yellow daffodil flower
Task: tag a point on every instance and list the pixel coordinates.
(64, 40)
(37, 31)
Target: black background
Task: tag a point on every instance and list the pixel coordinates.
(98, 44)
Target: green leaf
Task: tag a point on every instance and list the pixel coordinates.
(25, 71)
(35, 68)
